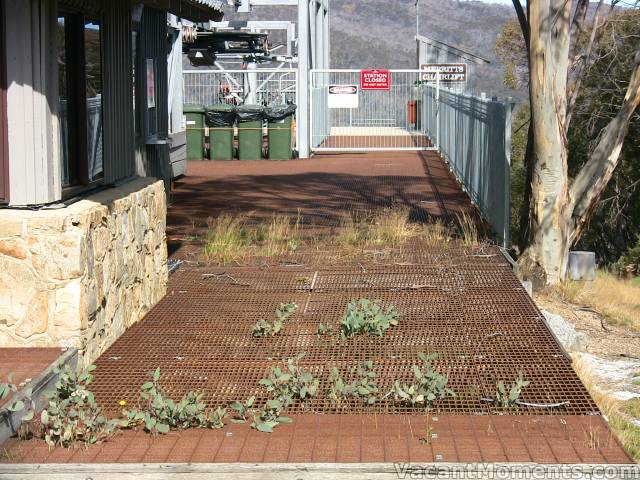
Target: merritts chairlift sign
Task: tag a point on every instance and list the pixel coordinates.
(344, 96)
(449, 72)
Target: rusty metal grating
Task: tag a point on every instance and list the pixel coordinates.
(469, 309)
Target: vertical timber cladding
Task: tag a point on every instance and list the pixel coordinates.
(153, 46)
(4, 151)
(117, 110)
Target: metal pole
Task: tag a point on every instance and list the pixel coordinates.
(303, 79)
(417, 18)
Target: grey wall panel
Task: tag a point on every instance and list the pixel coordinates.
(154, 158)
(474, 136)
(32, 103)
(118, 93)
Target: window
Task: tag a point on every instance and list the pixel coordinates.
(80, 96)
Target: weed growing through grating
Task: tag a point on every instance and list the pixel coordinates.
(428, 385)
(368, 317)
(266, 329)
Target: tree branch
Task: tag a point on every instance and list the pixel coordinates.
(583, 61)
(589, 184)
(524, 22)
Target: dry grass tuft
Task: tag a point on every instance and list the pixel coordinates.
(232, 239)
(468, 229)
(388, 228)
(617, 299)
(227, 239)
(620, 414)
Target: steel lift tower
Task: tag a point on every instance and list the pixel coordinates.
(313, 49)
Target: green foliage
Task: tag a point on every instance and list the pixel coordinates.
(160, 414)
(242, 409)
(291, 384)
(428, 385)
(614, 226)
(72, 414)
(365, 316)
(266, 329)
(363, 387)
(268, 418)
(324, 329)
(22, 401)
(629, 263)
(509, 398)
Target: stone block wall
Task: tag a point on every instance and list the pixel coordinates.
(79, 276)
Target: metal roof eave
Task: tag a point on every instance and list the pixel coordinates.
(194, 10)
(462, 53)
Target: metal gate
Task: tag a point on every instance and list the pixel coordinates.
(377, 120)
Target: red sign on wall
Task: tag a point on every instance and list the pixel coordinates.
(375, 79)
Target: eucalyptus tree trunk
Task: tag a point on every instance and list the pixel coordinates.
(559, 207)
(545, 260)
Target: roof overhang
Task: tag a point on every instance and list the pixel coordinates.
(454, 50)
(195, 10)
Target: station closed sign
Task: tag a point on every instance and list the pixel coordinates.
(375, 79)
(449, 72)
(344, 96)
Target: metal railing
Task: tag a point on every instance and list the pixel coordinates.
(474, 136)
(237, 87)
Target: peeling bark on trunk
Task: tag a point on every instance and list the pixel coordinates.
(546, 258)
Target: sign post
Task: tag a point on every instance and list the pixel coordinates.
(375, 80)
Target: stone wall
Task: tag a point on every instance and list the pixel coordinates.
(79, 276)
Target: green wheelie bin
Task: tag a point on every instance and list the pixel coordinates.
(220, 119)
(194, 123)
(280, 118)
(250, 119)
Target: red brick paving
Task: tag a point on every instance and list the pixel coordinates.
(355, 438)
(25, 363)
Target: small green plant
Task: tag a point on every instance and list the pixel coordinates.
(266, 419)
(324, 329)
(363, 387)
(22, 401)
(428, 435)
(72, 414)
(365, 316)
(242, 409)
(160, 414)
(265, 329)
(428, 385)
(291, 384)
(510, 398)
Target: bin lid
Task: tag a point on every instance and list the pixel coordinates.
(280, 112)
(250, 109)
(220, 107)
(192, 108)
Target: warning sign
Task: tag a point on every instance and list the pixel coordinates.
(343, 96)
(449, 72)
(375, 79)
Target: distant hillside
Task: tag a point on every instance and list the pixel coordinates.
(380, 33)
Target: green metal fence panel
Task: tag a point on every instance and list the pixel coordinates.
(473, 134)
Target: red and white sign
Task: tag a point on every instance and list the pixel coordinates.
(343, 96)
(375, 79)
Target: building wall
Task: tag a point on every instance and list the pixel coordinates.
(152, 154)
(4, 148)
(81, 275)
(32, 103)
